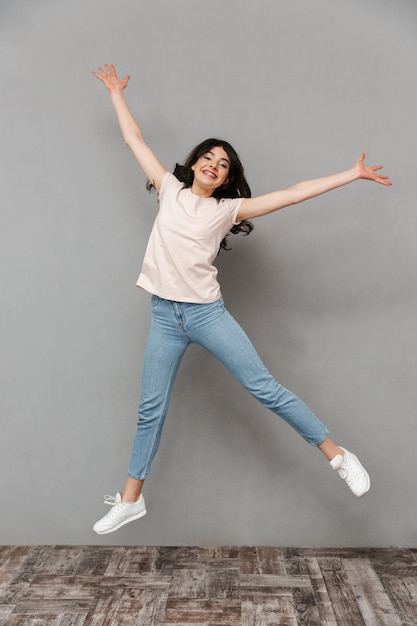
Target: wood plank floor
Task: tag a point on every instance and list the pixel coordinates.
(223, 586)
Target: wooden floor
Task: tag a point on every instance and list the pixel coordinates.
(226, 586)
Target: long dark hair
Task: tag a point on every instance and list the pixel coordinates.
(235, 187)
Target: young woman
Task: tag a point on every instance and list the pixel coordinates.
(203, 201)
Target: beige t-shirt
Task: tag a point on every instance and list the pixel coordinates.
(184, 242)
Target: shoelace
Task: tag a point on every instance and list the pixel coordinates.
(347, 468)
(116, 504)
(111, 500)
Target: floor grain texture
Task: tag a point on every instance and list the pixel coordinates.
(220, 586)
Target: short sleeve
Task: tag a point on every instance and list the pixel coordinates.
(234, 205)
(169, 181)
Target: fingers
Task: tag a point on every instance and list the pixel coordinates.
(370, 171)
(384, 180)
(381, 178)
(99, 74)
(109, 70)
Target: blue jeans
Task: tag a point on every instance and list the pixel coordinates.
(174, 326)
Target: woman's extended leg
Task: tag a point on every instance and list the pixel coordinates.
(329, 449)
(227, 341)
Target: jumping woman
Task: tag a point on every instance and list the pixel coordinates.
(204, 200)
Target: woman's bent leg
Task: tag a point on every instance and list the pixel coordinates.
(164, 351)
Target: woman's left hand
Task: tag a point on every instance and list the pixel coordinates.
(368, 172)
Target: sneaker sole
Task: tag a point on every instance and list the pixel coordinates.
(368, 486)
(126, 521)
(368, 480)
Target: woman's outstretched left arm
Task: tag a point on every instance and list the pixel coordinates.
(268, 203)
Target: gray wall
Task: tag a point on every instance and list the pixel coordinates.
(326, 290)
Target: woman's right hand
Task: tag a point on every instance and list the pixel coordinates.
(109, 77)
(131, 132)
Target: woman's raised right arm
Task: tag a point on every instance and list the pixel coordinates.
(130, 130)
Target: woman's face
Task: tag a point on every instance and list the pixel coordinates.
(211, 170)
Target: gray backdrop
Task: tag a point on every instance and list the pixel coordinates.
(326, 290)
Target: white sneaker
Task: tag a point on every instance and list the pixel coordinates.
(352, 471)
(121, 513)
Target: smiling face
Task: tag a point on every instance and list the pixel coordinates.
(211, 171)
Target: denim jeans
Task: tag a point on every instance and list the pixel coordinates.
(174, 326)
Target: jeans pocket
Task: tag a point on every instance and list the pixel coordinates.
(155, 300)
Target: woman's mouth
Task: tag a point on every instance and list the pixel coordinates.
(209, 173)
